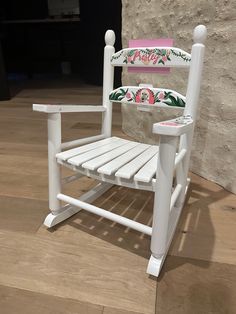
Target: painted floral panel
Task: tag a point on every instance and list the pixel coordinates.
(147, 96)
(149, 56)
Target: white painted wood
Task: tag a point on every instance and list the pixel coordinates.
(53, 219)
(129, 183)
(134, 165)
(148, 171)
(82, 141)
(180, 157)
(154, 265)
(82, 158)
(148, 96)
(175, 195)
(79, 150)
(71, 178)
(174, 127)
(127, 163)
(192, 98)
(118, 162)
(108, 81)
(97, 162)
(194, 80)
(54, 170)
(181, 178)
(68, 210)
(145, 85)
(106, 214)
(67, 108)
(162, 200)
(150, 57)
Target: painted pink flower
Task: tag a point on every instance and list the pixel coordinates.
(161, 95)
(129, 59)
(164, 58)
(169, 123)
(128, 95)
(145, 95)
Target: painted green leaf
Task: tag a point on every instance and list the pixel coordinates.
(167, 94)
(131, 52)
(123, 92)
(173, 101)
(134, 96)
(181, 102)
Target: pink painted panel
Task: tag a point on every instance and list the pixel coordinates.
(162, 42)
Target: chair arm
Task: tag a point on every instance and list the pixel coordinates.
(174, 127)
(67, 108)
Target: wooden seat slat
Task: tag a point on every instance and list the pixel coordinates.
(100, 150)
(85, 148)
(114, 165)
(128, 170)
(93, 164)
(146, 173)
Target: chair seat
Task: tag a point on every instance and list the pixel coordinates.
(114, 159)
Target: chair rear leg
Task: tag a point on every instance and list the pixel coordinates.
(161, 210)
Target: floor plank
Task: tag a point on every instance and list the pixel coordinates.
(20, 301)
(207, 228)
(91, 270)
(192, 286)
(88, 263)
(22, 214)
(118, 311)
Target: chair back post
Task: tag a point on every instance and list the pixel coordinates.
(195, 73)
(192, 98)
(108, 81)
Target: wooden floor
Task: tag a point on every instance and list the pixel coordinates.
(89, 265)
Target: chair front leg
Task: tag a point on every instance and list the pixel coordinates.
(162, 200)
(54, 170)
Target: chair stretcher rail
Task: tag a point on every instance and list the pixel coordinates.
(106, 214)
(180, 156)
(175, 195)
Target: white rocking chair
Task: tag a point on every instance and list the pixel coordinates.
(113, 160)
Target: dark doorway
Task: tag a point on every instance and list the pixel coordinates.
(35, 44)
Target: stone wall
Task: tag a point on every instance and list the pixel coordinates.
(214, 147)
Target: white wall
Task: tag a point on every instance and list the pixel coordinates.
(214, 150)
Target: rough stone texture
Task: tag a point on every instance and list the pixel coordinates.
(214, 145)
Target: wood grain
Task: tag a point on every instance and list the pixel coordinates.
(207, 229)
(88, 264)
(90, 270)
(194, 286)
(19, 301)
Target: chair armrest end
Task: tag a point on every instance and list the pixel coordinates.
(174, 127)
(67, 108)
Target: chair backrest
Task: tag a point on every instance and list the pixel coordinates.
(153, 57)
